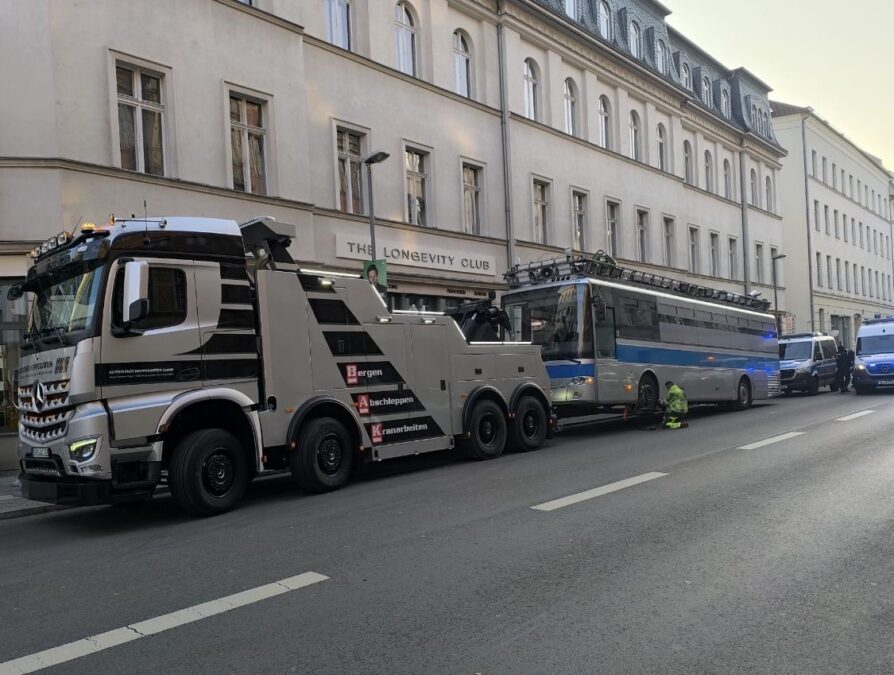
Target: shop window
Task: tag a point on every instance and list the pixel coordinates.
(13, 317)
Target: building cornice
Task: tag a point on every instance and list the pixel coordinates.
(251, 10)
(853, 201)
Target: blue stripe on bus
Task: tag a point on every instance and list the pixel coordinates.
(572, 370)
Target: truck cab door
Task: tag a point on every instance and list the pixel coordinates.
(144, 365)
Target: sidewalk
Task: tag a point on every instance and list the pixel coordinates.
(11, 503)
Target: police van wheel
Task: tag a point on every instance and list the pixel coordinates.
(814, 387)
(208, 473)
(743, 395)
(322, 461)
(527, 430)
(487, 431)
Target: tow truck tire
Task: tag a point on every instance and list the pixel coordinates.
(208, 473)
(322, 460)
(487, 431)
(527, 430)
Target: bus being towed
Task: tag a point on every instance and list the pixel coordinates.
(611, 336)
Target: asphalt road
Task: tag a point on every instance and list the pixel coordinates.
(777, 558)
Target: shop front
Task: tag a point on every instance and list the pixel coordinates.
(13, 315)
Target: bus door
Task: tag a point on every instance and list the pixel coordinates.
(609, 378)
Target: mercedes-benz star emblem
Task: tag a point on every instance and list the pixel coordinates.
(38, 395)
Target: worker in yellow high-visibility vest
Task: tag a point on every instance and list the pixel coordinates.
(675, 407)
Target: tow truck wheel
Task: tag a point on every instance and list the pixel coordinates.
(322, 461)
(487, 431)
(527, 430)
(208, 473)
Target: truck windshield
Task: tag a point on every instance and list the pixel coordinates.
(556, 318)
(795, 351)
(875, 344)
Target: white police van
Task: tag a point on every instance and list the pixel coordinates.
(874, 365)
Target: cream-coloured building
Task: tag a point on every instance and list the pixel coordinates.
(837, 201)
(517, 129)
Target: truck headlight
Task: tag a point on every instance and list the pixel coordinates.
(83, 450)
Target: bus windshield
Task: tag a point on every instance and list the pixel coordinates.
(557, 318)
(875, 344)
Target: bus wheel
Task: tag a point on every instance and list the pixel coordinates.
(527, 430)
(322, 461)
(648, 396)
(208, 473)
(743, 395)
(487, 431)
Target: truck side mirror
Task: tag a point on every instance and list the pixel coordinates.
(136, 291)
(599, 308)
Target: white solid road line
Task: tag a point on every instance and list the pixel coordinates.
(770, 441)
(848, 418)
(597, 492)
(135, 631)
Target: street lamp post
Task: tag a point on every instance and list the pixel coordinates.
(776, 293)
(375, 158)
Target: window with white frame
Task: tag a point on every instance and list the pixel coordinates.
(350, 170)
(727, 179)
(579, 220)
(670, 244)
(642, 235)
(541, 211)
(141, 112)
(819, 270)
(839, 285)
(774, 252)
(837, 226)
(248, 133)
(847, 276)
(686, 76)
(816, 215)
(634, 39)
(532, 104)
(605, 20)
(709, 171)
(755, 195)
(759, 263)
(662, 147)
(724, 103)
(605, 125)
(462, 64)
(688, 172)
(706, 91)
(571, 8)
(825, 170)
(829, 272)
(769, 193)
(405, 39)
(635, 137)
(612, 225)
(733, 254)
(714, 246)
(661, 57)
(471, 198)
(570, 107)
(813, 163)
(416, 163)
(844, 226)
(826, 218)
(338, 22)
(862, 244)
(694, 253)
(834, 176)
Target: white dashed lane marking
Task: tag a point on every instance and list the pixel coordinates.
(136, 631)
(848, 418)
(771, 441)
(597, 492)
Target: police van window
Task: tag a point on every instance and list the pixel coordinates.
(829, 349)
(167, 299)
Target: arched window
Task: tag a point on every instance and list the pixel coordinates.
(706, 90)
(571, 8)
(686, 76)
(687, 162)
(605, 123)
(766, 123)
(727, 179)
(755, 197)
(709, 171)
(405, 38)
(753, 116)
(724, 103)
(462, 64)
(634, 38)
(661, 57)
(605, 20)
(662, 148)
(769, 194)
(570, 107)
(635, 145)
(532, 107)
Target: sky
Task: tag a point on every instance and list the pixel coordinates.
(836, 57)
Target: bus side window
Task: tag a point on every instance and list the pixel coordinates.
(606, 335)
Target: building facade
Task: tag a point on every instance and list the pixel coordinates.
(516, 129)
(837, 202)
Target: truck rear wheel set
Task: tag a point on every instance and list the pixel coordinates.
(490, 432)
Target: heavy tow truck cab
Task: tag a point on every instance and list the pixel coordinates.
(195, 351)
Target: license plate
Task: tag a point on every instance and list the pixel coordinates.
(42, 453)
(885, 382)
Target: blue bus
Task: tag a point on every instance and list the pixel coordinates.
(611, 336)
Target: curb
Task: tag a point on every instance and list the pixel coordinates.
(33, 511)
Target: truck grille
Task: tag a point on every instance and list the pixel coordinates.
(45, 411)
(44, 467)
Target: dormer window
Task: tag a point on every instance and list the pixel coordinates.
(706, 90)
(571, 9)
(724, 103)
(686, 76)
(661, 57)
(634, 37)
(605, 20)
